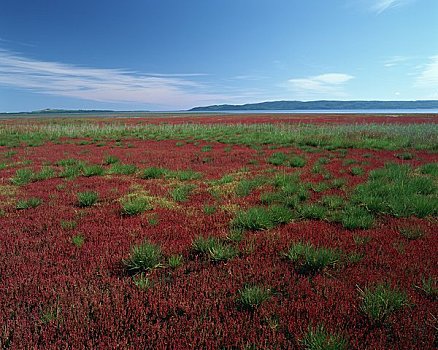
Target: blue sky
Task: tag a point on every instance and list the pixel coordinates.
(177, 54)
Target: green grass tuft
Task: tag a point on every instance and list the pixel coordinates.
(87, 198)
(251, 297)
(143, 257)
(319, 339)
(135, 205)
(309, 259)
(381, 301)
(22, 177)
(31, 202)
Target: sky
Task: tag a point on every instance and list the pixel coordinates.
(176, 54)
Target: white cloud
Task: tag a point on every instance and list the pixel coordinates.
(380, 6)
(104, 85)
(428, 77)
(396, 60)
(330, 84)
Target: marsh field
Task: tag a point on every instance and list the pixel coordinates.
(219, 232)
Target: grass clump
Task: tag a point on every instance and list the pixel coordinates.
(251, 297)
(183, 175)
(142, 282)
(182, 193)
(32, 202)
(68, 224)
(319, 339)
(87, 198)
(381, 301)
(22, 177)
(44, 174)
(411, 232)
(110, 159)
(356, 170)
(399, 191)
(209, 209)
(313, 211)
(153, 173)
(122, 169)
(430, 169)
(78, 240)
(309, 259)
(297, 162)
(405, 156)
(246, 186)
(213, 248)
(261, 218)
(277, 158)
(175, 261)
(354, 217)
(92, 170)
(429, 286)
(135, 205)
(72, 168)
(333, 202)
(144, 257)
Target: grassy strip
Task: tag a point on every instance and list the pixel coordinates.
(367, 136)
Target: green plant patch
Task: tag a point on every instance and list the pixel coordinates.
(135, 205)
(354, 217)
(318, 338)
(380, 302)
(122, 169)
(397, 190)
(28, 203)
(143, 257)
(87, 198)
(251, 297)
(183, 175)
(110, 159)
(153, 173)
(175, 261)
(214, 248)
(246, 186)
(181, 193)
(411, 232)
(22, 177)
(262, 218)
(78, 240)
(92, 170)
(308, 259)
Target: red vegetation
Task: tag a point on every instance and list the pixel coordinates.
(54, 294)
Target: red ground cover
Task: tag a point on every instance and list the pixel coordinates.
(57, 295)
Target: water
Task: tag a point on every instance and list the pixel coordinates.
(325, 111)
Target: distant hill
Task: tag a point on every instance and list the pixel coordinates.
(58, 111)
(321, 105)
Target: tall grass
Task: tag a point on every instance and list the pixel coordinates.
(369, 136)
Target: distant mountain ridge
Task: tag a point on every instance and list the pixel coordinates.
(321, 105)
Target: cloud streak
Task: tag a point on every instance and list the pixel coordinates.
(330, 84)
(428, 78)
(380, 6)
(104, 85)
